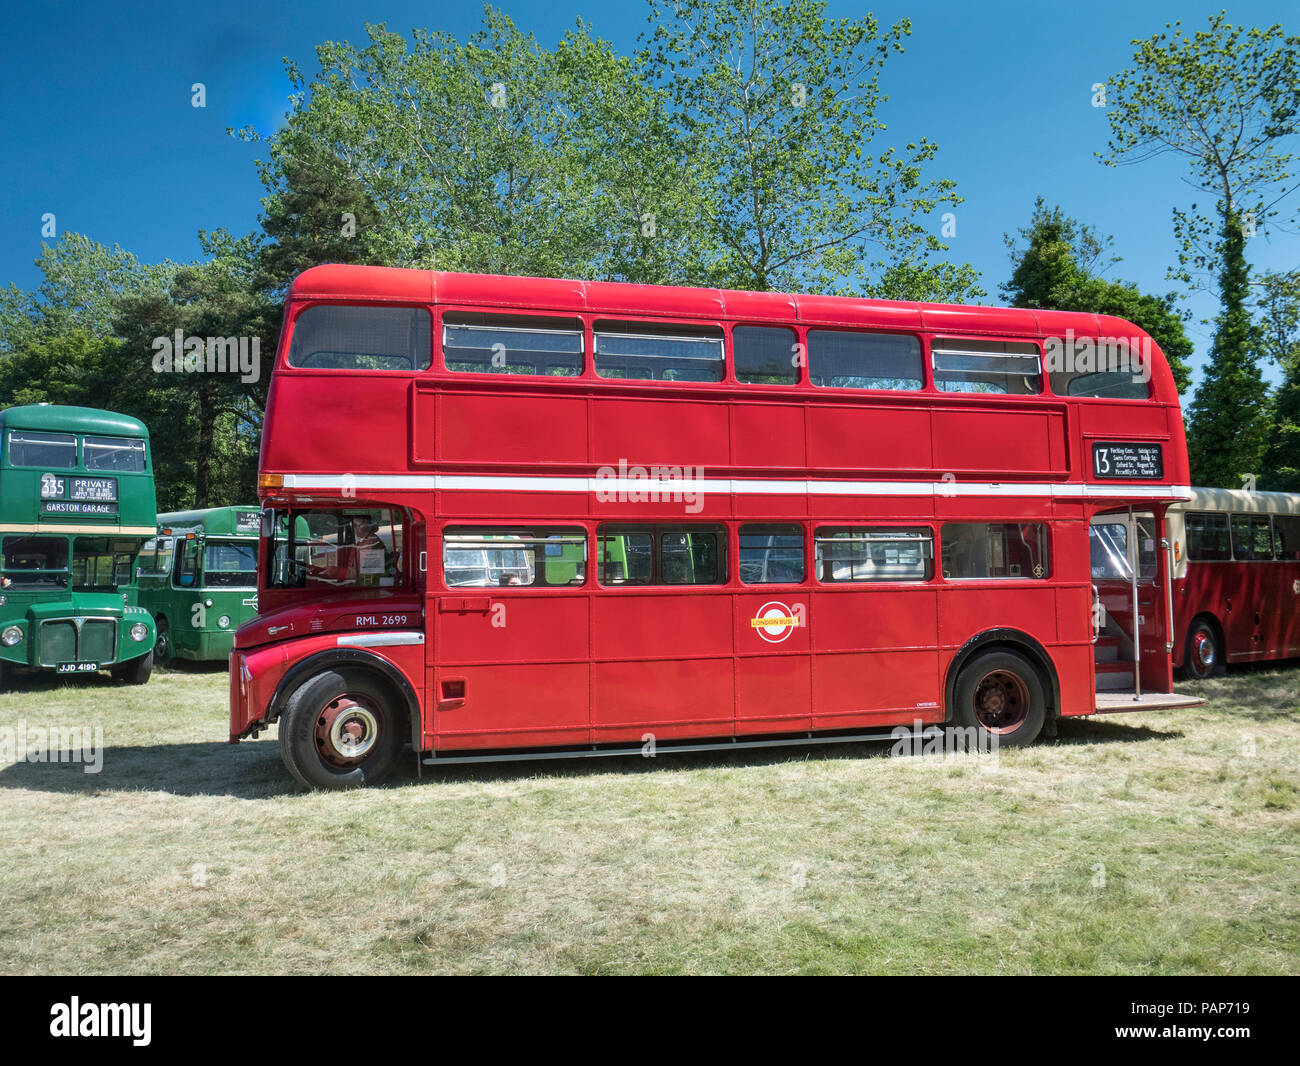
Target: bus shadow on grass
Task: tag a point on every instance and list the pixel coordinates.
(215, 768)
(253, 770)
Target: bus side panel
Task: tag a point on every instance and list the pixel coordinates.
(527, 428)
(874, 657)
(773, 664)
(963, 444)
(1074, 657)
(1288, 612)
(662, 663)
(894, 438)
(633, 431)
(510, 669)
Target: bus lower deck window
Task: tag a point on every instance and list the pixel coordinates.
(874, 553)
(771, 554)
(1207, 537)
(489, 557)
(662, 555)
(994, 550)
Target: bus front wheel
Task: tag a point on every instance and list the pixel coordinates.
(1000, 694)
(134, 672)
(340, 730)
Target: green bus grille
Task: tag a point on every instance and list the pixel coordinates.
(98, 641)
(59, 643)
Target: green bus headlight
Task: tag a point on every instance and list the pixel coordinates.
(11, 636)
(139, 631)
(224, 621)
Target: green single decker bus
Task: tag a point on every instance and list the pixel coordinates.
(198, 578)
(76, 503)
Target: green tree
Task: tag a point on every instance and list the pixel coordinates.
(72, 368)
(1228, 422)
(316, 212)
(1227, 101)
(206, 423)
(489, 155)
(779, 107)
(497, 155)
(58, 343)
(1058, 268)
(1279, 304)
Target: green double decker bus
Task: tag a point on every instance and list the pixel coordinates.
(198, 578)
(76, 503)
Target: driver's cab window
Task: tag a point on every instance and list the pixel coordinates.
(352, 547)
(186, 574)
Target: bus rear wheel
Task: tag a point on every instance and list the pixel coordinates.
(1000, 694)
(340, 730)
(1203, 657)
(163, 645)
(134, 672)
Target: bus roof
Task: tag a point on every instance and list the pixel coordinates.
(335, 281)
(1241, 500)
(57, 418)
(216, 521)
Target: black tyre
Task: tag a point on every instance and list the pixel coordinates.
(162, 648)
(1001, 694)
(341, 730)
(1203, 656)
(134, 672)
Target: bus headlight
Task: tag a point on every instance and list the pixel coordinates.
(11, 636)
(224, 621)
(139, 631)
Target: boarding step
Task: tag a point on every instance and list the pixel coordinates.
(1114, 702)
(1106, 649)
(1114, 676)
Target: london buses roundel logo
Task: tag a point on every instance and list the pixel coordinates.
(774, 621)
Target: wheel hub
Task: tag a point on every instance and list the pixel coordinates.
(346, 731)
(1001, 701)
(1204, 649)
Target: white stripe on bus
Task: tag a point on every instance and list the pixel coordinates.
(107, 531)
(661, 486)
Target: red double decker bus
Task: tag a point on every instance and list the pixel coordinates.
(522, 516)
(1236, 573)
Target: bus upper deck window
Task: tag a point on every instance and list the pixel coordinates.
(854, 359)
(329, 337)
(765, 355)
(114, 453)
(55, 450)
(1110, 373)
(475, 343)
(655, 351)
(1011, 368)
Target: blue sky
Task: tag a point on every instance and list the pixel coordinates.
(98, 129)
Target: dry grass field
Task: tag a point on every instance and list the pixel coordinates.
(1155, 843)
